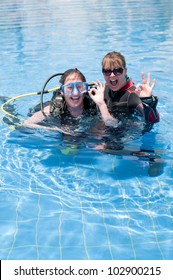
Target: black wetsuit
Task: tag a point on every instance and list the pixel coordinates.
(127, 101)
(58, 106)
(120, 104)
(60, 115)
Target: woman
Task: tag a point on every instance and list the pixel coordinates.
(70, 100)
(120, 95)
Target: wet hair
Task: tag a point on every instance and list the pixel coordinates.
(70, 72)
(113, 59)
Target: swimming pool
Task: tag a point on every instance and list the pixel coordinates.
(60, 197)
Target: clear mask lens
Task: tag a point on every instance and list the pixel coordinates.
(69, 88)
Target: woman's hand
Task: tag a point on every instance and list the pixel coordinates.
(97, 93)
(145, 89)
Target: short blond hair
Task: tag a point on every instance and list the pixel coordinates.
(113, 59)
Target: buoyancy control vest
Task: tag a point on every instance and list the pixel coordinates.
(126, 100)
(58, 105)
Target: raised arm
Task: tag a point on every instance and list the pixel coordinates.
(97, 95)
(145, 88)
(149, 101)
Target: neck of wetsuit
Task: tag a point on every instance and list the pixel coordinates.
(127, 86)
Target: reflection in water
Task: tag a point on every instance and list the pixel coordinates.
(91, 133)
(104, 195)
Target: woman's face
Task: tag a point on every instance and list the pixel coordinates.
(115, 81)
(74, 100)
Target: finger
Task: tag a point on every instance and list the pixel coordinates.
(94, 82)
(99, 84)
(138, 89)
(153, 84)
(149, 79)
(92, 92)
(94, 86)
(144, 81)
(91, 95)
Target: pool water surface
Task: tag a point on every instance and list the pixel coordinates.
(65, 197)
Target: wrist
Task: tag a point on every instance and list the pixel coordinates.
(105, 112)
(151, 101)
(102, 105)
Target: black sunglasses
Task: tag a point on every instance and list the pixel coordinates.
(116, 71)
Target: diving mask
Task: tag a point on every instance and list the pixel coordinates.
(81, 87)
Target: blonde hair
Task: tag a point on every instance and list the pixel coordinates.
(113, 59)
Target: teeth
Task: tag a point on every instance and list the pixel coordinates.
(113, 81)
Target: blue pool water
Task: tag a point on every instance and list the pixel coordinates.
(62, 197)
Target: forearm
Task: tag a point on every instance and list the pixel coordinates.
(108, 119)
(29, 124)
(35, 121)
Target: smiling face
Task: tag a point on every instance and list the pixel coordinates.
(115, 82)
(116, 79)
(75, 100)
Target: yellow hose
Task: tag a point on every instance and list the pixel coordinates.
(17, 97)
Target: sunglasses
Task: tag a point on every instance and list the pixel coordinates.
(116, 71)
